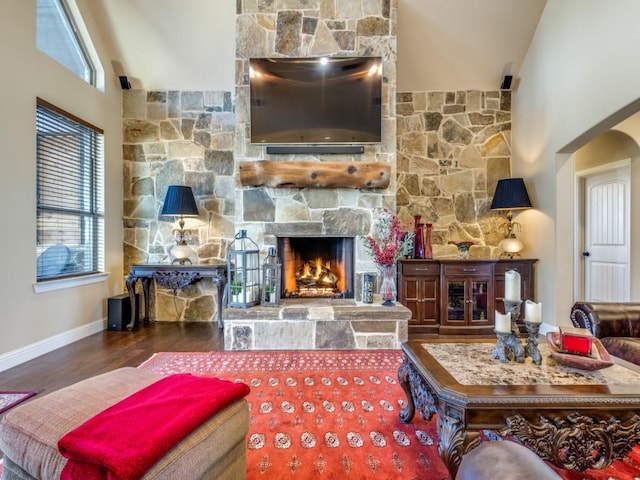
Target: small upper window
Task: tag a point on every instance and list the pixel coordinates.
(58, 36)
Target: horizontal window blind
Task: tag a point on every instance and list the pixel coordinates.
(70, 195)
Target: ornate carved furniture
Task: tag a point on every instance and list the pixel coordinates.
(173, 277)
(458, 296)
(575, 419)
(617, 325)
(29, 433)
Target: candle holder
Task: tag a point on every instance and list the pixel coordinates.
(501, 351)
(508, 347)
(531, 348)
(513, 306)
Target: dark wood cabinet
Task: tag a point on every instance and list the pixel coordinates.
(467, 300)
(450, 297)
(419, 292)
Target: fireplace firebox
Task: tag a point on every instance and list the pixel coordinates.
(317, 267)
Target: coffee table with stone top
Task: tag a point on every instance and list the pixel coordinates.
(576, 419)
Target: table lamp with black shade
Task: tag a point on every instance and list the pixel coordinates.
(181, 203)
(511, 194)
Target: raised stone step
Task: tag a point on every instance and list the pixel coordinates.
(316, 324)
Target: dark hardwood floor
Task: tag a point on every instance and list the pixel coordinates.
(107, 351)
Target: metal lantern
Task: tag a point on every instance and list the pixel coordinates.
(243, 272)
(271, 278)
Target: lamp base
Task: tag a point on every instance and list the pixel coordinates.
(511, 247)
(182, 254)
(181, 261)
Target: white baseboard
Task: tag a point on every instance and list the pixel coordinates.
(29, 352)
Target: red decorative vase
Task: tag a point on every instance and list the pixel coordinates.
(418, 238)
(428, 250)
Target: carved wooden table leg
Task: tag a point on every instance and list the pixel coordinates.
(418, 393)
(451, 441)
(407, 413)
(130, 283)
(220, 282)
(146, 283)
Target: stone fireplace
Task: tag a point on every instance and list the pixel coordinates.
(444, 151)
(317, 267)
(269, 214)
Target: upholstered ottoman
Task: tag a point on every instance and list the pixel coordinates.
(504, 459)
(29, 433)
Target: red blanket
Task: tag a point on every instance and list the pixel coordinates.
(125, 440)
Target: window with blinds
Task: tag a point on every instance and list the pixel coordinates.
(70, 195)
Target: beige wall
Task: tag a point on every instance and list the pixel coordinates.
(31, 323)
(171, 44)
(575, 84)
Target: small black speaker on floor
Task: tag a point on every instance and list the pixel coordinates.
(119, 311)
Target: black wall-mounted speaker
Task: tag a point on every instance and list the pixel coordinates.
(314, 149)
(124, 82)
(119, 311)
(506, 82)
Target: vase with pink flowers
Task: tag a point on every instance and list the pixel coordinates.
(389, 241)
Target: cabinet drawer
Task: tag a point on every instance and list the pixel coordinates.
(471, 269)
(518, 267)
(427, 268)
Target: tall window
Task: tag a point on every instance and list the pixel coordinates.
(58, 36)
(70, 203)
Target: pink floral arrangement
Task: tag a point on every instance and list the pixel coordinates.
(389, 240)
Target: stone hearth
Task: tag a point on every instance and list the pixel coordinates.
(318, 324)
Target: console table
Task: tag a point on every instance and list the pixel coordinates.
(576, 419)
(173, 277)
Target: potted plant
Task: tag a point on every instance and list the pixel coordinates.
(235, 288)
(268, 291)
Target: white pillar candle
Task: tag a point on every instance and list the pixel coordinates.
(533, 311)
(511, 285)
(503, 322)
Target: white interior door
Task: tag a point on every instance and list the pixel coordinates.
(607, 236)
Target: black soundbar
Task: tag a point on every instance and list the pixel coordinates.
(314, 149)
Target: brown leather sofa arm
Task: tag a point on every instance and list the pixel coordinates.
(607, 319)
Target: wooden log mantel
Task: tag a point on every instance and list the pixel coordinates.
(315, 174)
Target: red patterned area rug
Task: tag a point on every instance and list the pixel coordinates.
(321, 414)
(334, 415)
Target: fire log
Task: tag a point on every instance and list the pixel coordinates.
(315, 174)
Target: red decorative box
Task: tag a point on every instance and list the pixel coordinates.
(575, 340)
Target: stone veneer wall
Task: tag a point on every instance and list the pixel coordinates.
(453, 147)
(184, 138)
(305, 28)
(199, 138)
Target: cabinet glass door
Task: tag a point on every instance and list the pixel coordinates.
(479, 290)
(456, 301)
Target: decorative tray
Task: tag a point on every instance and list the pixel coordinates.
(598, 359)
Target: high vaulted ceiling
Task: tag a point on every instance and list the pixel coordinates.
(442, 44)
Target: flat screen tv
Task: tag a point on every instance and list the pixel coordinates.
(319, 100)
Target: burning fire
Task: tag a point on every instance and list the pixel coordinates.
(319, 271)
(316, 278)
